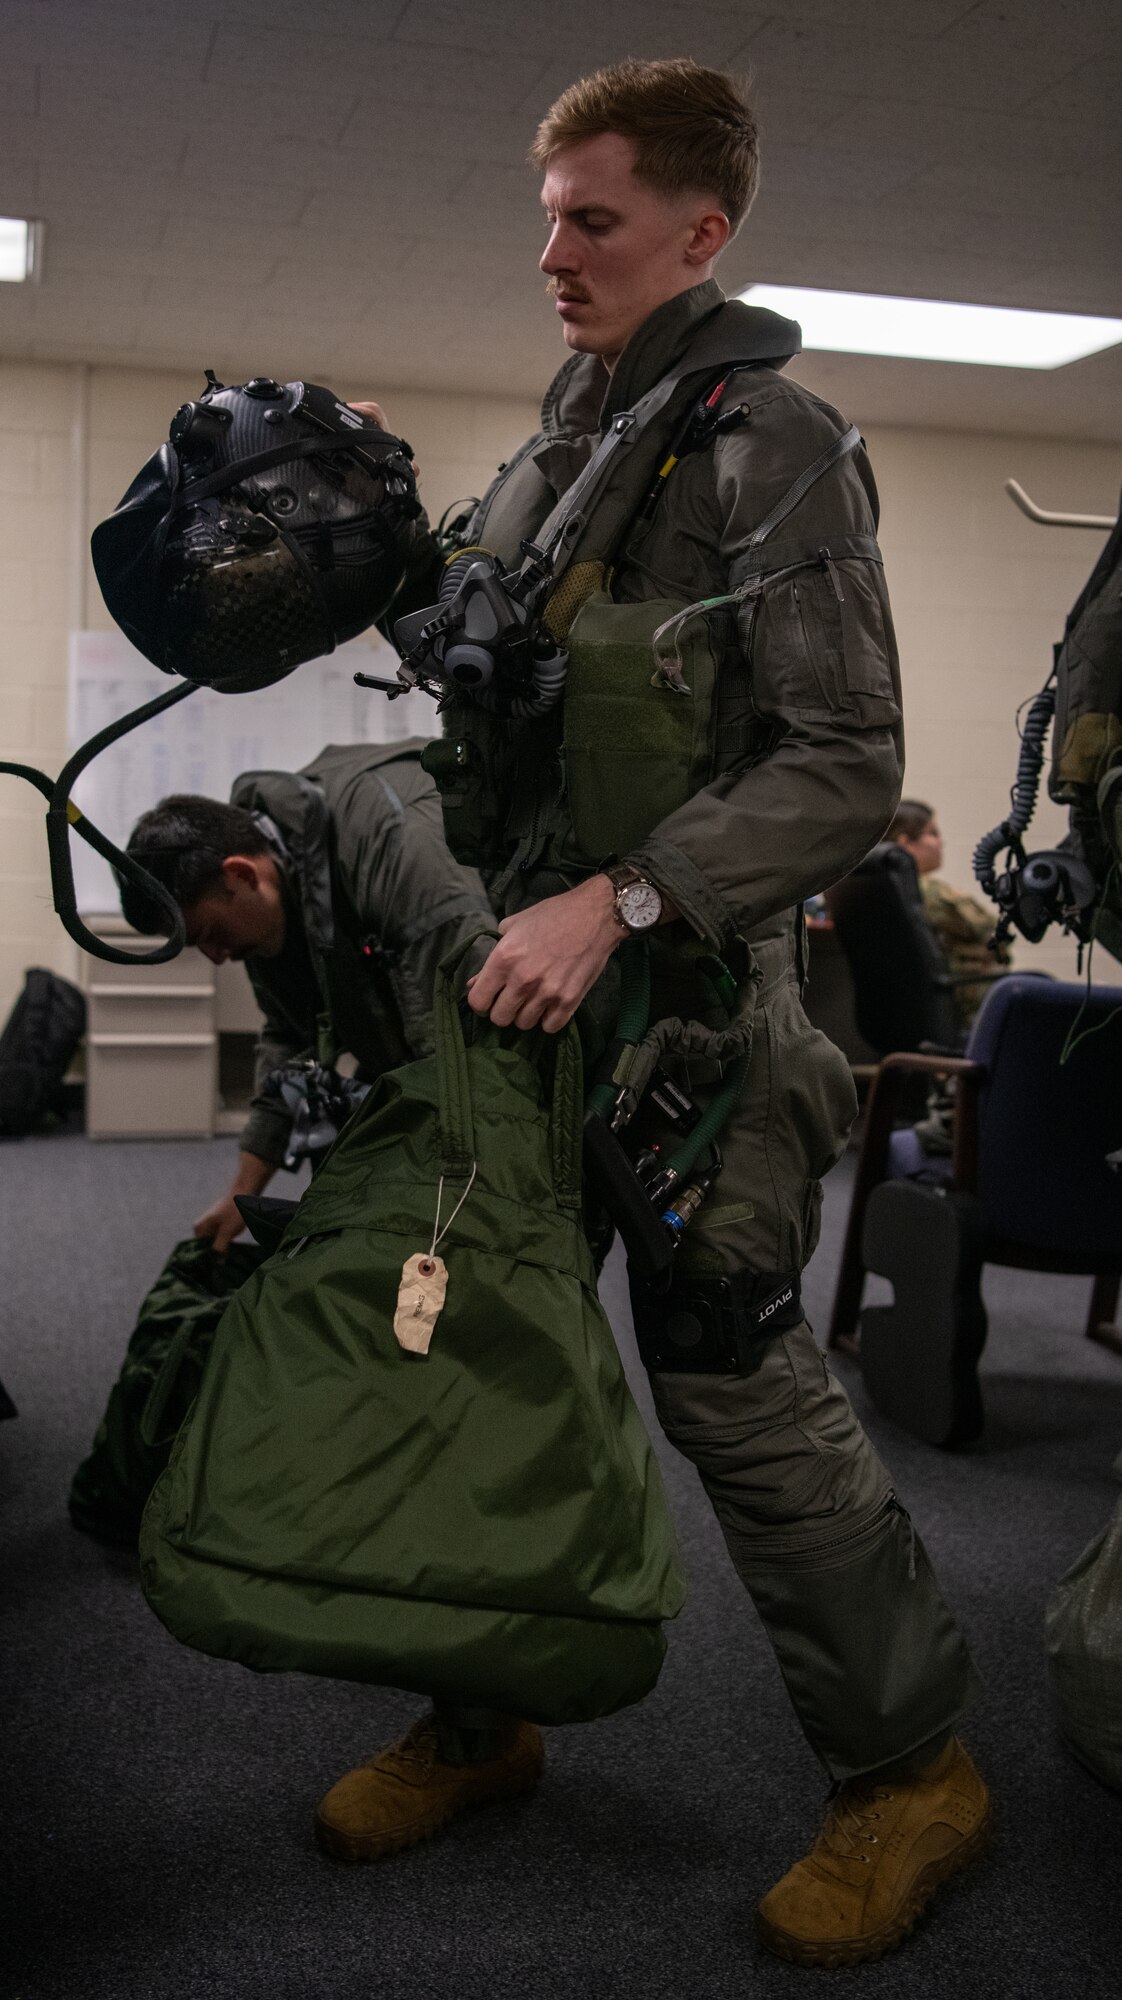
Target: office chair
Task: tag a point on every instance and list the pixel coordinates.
(1038, 1110)
(902, 986)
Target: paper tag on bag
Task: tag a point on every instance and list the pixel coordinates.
(420, 1296)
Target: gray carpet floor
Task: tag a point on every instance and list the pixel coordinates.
(155, 1829)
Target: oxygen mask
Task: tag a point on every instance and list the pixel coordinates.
(483, 639)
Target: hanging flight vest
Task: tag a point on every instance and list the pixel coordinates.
(1087, 733)
(1086, 772)
(642, 727)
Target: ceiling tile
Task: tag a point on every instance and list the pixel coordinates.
(19, 188)
(955, 68)
(342, 184)
(592, 34)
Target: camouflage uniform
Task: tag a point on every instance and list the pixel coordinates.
(963, 929)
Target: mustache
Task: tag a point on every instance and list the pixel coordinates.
(574, 293)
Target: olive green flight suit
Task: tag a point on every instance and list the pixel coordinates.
(805, 762)
(373, 901)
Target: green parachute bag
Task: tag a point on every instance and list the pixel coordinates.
(159, 1380)
(481, 1523)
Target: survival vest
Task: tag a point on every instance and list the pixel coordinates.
(1087, 733)
(629, 743)
(1086, 772)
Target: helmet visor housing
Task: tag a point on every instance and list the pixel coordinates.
(274, 524)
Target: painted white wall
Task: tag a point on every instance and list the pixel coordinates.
(979, 593)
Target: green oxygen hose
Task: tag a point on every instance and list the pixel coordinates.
(631, 1026)
(686, 1156)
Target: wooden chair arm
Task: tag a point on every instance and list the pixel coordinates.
(872, 1164)
(931, 1064)
(884, 1096)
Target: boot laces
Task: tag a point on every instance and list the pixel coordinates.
(850, 1823)
(419, 1744)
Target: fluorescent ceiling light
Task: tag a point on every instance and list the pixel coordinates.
(935, 329)
(21, 246)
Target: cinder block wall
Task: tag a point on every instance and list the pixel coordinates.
(979, 593)
(38, 601)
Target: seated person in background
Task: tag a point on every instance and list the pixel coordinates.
(335, 887)
(962, 926)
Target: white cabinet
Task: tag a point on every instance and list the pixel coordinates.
(152, 1040)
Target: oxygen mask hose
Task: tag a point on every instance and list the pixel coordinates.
(62, 814)
(1030, 763)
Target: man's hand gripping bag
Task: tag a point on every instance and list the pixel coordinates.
(482, 1523)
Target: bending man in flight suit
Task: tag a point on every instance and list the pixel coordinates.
(743, 483)
(336, 888)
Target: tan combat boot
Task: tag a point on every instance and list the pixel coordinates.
(407, 1792)
(885, 1847)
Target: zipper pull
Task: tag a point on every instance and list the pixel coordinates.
(828, 564)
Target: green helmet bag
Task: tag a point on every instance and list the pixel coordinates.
(482, 1522)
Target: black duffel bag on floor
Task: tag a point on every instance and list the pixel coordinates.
(37, 1042)
(158, 1382)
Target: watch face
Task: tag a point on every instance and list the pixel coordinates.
(639, 905)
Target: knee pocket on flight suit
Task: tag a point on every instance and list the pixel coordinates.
(788, 1129)
(779, 1452)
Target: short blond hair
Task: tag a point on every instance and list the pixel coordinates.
(693, 129)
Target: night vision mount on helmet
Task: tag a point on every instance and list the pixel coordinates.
(273, 525)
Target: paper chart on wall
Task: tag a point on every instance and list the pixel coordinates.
(206, 741)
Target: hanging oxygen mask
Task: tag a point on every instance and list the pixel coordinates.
(1034, 890)
(651, 1156)
(484, 638)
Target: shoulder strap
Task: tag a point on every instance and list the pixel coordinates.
(305, 819)
(300, 810)
(563, 528)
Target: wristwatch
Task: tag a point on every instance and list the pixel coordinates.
(638, 903)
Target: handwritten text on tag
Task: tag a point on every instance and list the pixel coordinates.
(420, 1296)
